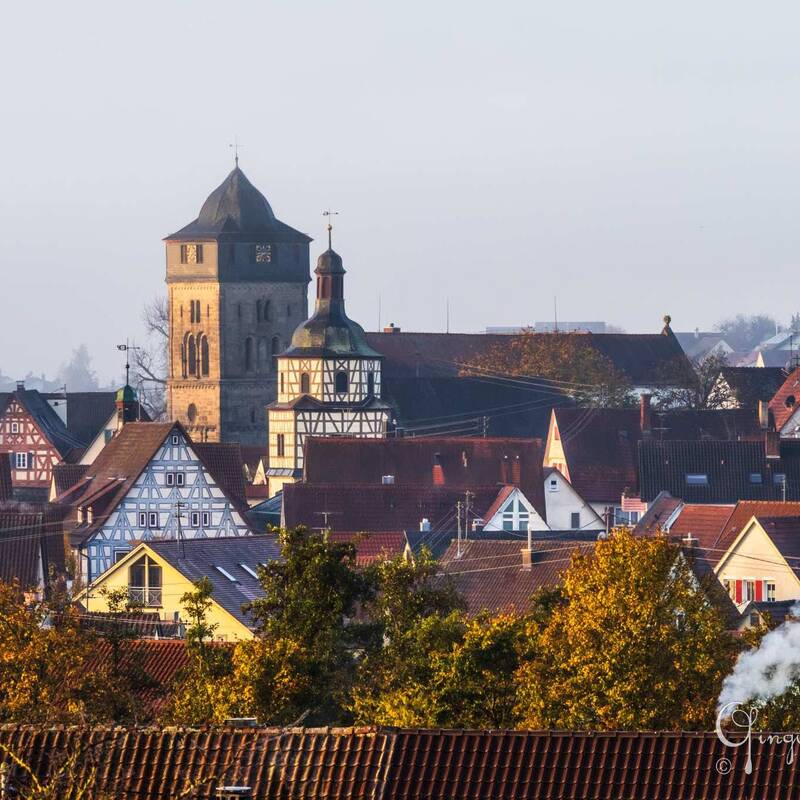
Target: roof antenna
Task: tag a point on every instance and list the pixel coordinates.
(236, 147)
(330, 214)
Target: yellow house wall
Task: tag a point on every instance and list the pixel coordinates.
(756, 557)
(174, 586)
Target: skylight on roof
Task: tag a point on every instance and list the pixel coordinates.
(249, 570)
(227, 574)
(696, 479)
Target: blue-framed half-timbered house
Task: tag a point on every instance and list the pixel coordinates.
(152, 482)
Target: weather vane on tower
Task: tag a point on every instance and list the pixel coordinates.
(330, 214)
(236, 147)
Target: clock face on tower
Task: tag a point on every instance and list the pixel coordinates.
(263, 253)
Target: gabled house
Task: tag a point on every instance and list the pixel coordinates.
(35, 437)
(156, 574)
(565, 508)
(151, 482)
(762, 564)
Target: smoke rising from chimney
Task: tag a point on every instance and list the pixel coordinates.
(767, 671)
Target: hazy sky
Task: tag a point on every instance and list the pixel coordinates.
(632, 158)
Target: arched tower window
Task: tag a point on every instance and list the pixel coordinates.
(281, 383)
(305, 384)
(276, 345)
(263, 356)
(370, 384)
(184, 354)
(265, 311)
(248, 354)
(192, 356)
(204, 354)
(258, 311)
(341, 382)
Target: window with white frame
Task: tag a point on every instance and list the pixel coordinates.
(152, 519)
(748, 590)
(515, 516)
(552, 484)
(20, 460)
(769, 591)
(180, 479)
(142, 519)
(206, 519)
(176, 439)
(194, 519)
(15, 427)
(575, 520)
(170, 479)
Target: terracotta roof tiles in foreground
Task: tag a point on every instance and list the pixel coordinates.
(392, 764)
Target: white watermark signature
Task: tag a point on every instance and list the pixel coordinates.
(742, 719)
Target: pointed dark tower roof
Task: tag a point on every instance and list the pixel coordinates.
(237, 210)
(330, 333)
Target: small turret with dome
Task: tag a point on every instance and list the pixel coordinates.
(329, 379)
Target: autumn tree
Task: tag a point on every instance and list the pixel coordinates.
(302, 659)
(568, 363)
(43, 656)
(636, 644)
(204, 691)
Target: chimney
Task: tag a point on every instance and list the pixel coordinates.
(20, 386)
(644, 415)
(527, 551)
(763, 414)
(505, 472)
(477, 525)
(391, 328)
(772, 445)
(424, 524)
(437, 472)
(516, 471)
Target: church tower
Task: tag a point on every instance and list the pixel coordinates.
(237, 282)
(329, 380)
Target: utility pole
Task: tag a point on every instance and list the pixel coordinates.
(458, 516)
(485, 426)
(178, 515)
(468, 495)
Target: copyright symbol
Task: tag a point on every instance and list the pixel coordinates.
(723, 766)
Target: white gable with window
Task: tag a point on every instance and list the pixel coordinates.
(565, 508)
(514, 513)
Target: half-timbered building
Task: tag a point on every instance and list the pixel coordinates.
(35, 437)
(152, 482)
(329, 380)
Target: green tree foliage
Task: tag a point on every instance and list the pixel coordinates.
(301, 661)
(205, 690)
(636, 644)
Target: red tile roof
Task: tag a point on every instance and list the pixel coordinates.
(372, 547)
(786, 400)
(741, 515)
(404, 764)
(704, 522)
(466, 463)
(159, 660)
(377, 508)
(490, 576)
(66, 476)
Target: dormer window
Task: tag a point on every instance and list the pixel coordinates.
(262, 253)
(341, 382)
(305, 383)
(191, 254)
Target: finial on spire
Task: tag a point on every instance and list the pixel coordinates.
(126, 348)
(236, 147)
(329, 214)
